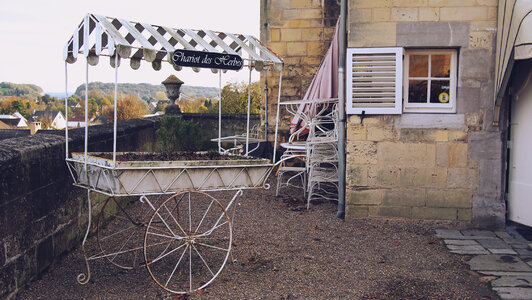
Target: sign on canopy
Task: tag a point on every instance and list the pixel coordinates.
(203, 59)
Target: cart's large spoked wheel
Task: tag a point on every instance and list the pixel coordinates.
(187, 242)
(121, 225)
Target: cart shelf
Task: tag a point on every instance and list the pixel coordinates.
(136, 178)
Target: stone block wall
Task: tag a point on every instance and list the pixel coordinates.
(431, 166)
(12, 133)
(300, 31)
(42, 215)
(408, 172)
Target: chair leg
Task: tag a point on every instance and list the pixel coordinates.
(279, 176)
(304, 182)
(309, 195)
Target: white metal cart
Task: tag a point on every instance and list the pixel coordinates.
(186, 236)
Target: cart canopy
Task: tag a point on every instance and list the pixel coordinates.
(98, 35)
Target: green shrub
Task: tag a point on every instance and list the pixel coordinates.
(176, 134)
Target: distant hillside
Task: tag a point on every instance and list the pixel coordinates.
(144, 90)
(20, 90)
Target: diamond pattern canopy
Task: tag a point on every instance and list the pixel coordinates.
(98, 35)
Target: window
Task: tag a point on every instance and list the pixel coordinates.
(374, 80)
(430, 81)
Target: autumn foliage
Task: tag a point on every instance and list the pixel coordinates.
(235, 98)
(17, 104)
(128, 107)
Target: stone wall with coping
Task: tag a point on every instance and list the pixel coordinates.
(430, 166)
(42, 215)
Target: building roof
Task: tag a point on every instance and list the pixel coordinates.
(45, 114)
(11, 122)
(19, 115)
(76, 118)
(4, 125)
(100, 119)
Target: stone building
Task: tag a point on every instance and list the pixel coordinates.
(422, 137)
(299, 31)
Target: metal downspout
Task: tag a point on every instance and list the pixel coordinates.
(341, 111)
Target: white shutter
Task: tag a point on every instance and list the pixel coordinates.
(374, 80)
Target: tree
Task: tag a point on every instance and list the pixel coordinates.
(58, 106)
(191, 104)
(160, 96)
(47, 99)
(128, 107)
(17, 104)
(73, 100)
(160, 106)
(235, 98)
(93, 108)
(105, 102)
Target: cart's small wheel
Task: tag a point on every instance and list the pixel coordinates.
(120, 231)
(187, 242)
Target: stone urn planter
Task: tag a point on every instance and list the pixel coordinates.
(172, 85)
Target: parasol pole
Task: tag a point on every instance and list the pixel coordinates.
(277, 120)
(115, 114)
(220, 112)
(249, 107)
(66, 110)
(86, 146)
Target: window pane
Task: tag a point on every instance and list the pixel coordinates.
(419, 66)
(439, 91)
(417, 91)
(441, 65)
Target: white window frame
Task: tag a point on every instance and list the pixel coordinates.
(396, 107)
(449, 107)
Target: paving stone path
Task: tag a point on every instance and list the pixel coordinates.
(506, 255)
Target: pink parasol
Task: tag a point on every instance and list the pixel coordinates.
(324, 85)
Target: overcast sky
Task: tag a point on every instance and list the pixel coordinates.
(33, 33)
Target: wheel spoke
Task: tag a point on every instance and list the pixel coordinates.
(125, 212)
(208, 232)
(207, 239)
(189, 214)
(116, 253)
(203, 260)
(117, 240)
(168, 253)
(176, 265)
(165, 224)
(211, 246)
(160, 243)
(190, 262)
(204, 215)
(125, 243)
(119, 217)
(160, 230)
(118, 232)
(173, 218)
(166, 236)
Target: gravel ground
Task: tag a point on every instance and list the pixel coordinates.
(282, 251)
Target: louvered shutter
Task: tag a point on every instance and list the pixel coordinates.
(374, 80)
